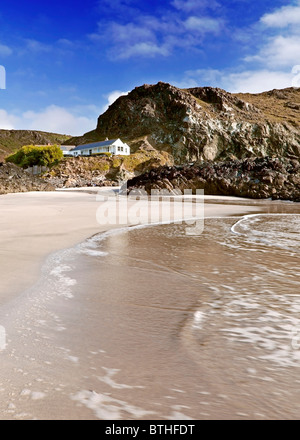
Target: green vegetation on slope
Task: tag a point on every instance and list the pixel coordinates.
(30, 155)
(12, 140)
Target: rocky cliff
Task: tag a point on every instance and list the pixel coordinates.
(259, 178)
(13, 179)
(204, 123)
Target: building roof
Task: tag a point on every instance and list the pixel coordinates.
(67, 147)
(95, 145)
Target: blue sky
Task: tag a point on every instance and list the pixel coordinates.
(66, 61)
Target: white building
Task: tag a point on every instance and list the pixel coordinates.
(67, 149)
(115, 147)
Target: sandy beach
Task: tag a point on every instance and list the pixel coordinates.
(50, 366)
(32, 225)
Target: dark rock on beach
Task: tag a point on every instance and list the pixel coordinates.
(260, 178)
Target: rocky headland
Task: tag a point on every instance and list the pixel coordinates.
(203, 123)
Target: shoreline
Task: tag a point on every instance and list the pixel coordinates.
(52, 337)
(34, 225)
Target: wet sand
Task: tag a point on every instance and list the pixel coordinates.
(84, 347)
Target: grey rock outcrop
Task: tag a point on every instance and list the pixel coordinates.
(13, 179)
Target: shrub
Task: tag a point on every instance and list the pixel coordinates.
(30, 155)
(116, 161)
(103, 154)
(102, 166)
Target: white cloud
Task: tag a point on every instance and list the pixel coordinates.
(59, 120)
(194, 5)
(200, 78)
(52, 119)
(5, 50)
(2, 77)
(147, 36)
(134, 39)
(279, 51)
(257, 81)
(7, 121)
(276, 42)
(130, 32)
(61, 47)
(144, 49)
(65, 42)
(202, 24)
(279, 45)
(36, 46)
(112, 97)
(274, 63)
(248, 81)
(283, 17)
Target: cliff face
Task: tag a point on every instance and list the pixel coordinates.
(204, 123)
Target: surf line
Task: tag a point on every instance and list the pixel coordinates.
(248, 216)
